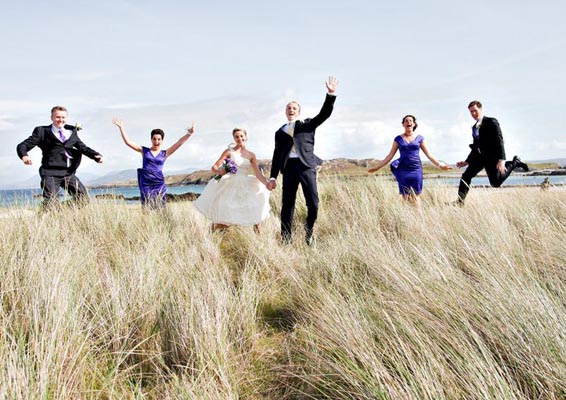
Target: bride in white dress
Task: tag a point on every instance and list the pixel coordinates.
(240, 198)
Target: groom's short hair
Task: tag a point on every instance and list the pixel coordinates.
(294, 102)
(58, 108)
(474, 103)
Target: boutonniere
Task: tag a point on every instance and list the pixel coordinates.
(78, 127)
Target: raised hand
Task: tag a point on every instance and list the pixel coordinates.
(331, 84)
(191, 130)
(118, 122)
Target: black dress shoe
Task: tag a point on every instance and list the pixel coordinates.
(520, 164)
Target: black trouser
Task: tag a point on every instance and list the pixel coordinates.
(496, 178)
(296, 173)
(51, 184)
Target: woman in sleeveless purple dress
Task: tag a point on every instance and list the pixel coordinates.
(408, 169)
(150, 177)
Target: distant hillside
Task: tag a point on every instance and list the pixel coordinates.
(113, 178)
(337, 166)
(559, 161)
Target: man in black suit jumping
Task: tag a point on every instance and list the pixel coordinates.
(294, 157)
(62, 151)
(487, 151)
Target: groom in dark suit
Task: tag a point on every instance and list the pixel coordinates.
(62, 151)
(294, 158)
(487, 151)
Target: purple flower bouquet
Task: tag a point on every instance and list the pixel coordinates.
(229, 166)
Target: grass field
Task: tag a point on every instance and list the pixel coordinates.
(392, 302)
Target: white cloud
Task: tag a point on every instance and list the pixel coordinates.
(82, 76)
(6, 124)
(17, 108)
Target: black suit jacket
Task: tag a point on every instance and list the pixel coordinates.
(54, 160)
(490, 148)
(303, 138)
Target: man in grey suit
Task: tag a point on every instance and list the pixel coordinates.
(294, 157)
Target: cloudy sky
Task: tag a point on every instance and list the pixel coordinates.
(237, 63)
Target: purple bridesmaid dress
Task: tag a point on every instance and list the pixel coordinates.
(408, 169)
(150, 179)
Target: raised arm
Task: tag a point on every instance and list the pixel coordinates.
(388, 158)
(125, 137)
(257, 172)
(327, 107)
(432, 159)
(181, 141)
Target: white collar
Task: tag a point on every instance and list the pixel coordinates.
(54, 129)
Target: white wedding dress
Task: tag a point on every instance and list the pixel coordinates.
(235, 199)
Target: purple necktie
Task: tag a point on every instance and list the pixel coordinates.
(475, 132)
(61, 136)
(64, 139)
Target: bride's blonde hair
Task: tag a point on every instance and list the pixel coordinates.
(241, 130)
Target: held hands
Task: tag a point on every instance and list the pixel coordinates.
(271, 184)
(331, 84)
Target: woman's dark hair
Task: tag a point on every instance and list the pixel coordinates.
(158, 132)
(414, 120)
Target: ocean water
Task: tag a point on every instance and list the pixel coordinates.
(28, 197)
(513, 180)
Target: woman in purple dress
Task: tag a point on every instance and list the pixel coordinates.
(408, 169)
(150, 177)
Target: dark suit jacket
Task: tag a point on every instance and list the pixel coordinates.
(54, 160)
(490, 148)
(303, 138)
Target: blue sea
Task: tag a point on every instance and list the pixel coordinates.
(513, 180)
(27, 197)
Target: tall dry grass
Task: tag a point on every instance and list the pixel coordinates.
(393, 301)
